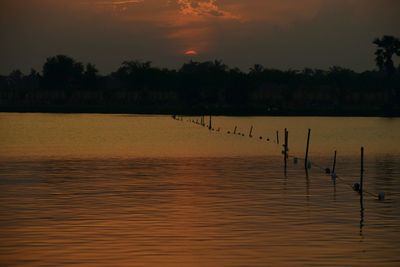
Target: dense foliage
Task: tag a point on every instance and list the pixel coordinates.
(199, 87)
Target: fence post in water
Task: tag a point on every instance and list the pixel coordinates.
(308, 145)
(251, 131)
(334, 165)
(210, 125)
(277, 137)
(285, 146)
(362, 171)
(234, 131)
(362, 192)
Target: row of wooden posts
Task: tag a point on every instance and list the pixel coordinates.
(359, 187)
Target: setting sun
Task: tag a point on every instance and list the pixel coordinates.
(191, 53)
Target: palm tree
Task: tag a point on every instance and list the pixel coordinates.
(387, 47)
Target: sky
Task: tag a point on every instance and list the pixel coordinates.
(284, 34)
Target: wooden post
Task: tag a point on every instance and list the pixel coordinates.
(362, 192)
(277, 137)
(210, 125)
(307, 148)
(287, 142)
(234, 131)
(285, 147)
(251, 131)
(362, 171)
(334, 164)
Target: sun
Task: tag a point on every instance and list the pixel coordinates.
(191, 53)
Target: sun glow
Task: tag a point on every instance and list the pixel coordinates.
(191, 53)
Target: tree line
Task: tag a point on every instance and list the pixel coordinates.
(65, 84)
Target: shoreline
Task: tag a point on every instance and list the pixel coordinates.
(199, 112)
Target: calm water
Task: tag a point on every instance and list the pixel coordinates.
(115, 190)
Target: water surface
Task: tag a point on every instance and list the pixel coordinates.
(119, 190)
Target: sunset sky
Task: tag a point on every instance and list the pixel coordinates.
(275, 33)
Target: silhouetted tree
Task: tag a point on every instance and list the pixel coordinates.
(257, 69)
(207, 86)
(219, 66)
(135, 66)
(32, 81)
(90, 77)
(62, 72)
(91, 71)
(15, 79)
(387, 47)
(135, 74)
(16, 75)
(340, 76)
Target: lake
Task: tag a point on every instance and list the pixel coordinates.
(126, 190)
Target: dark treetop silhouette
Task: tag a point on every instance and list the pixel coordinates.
(66, 85)
(387, 47)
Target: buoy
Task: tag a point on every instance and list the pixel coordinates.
(327, 170)
(268, 139)
(228, 132)
(261, 137)
(356, 187)
(381, 196)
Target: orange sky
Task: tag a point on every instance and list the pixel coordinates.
(276, 33)
(191, 24)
